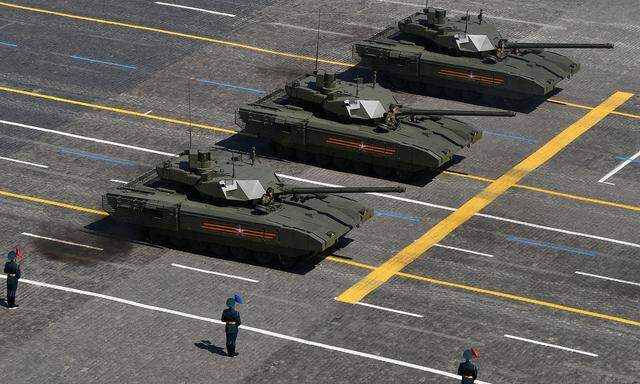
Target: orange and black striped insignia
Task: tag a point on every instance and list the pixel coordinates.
(238, 231)
(469, 76)
(361, 146)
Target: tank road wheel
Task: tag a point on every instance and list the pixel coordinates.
(403, 175)
(322, 160)
(361, 166)
(198, 245)
(286, 262)
(218, 249)
(263, 258)
(304, 156)
(281, 150)
(434, 90)
(241, 254)
(156, 237)
(472, 96)
(382, 171)
(340, 164)
(178, 241)
(452, 93)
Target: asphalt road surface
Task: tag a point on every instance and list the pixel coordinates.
(544, 282)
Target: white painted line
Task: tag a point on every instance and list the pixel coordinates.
(118, 181)
(619, 167)
(463, 250)
(215, 273)
(61, 241)
(398, 198)
(524, 223)
(85, 138)
(247, 328)
(196, 9)
(608, 278)
(606, 182)
(23, 162)
(388, 309)
(148, 112)
(309, 29)
(552, 345)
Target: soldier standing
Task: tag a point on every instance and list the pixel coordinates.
(231, 317)
(12, 270)
(467, 370)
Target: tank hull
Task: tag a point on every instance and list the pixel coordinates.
(296, 230)
(414, 146)
(531, 74)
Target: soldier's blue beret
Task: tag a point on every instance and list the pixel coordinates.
(231, 303)
(11, 256)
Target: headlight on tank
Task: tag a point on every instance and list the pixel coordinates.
(331, 234)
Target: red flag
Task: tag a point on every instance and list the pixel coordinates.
(475, 353)
(19, 254)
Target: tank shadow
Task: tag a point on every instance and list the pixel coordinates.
(207, 346)
(107, 248)
(127, 234)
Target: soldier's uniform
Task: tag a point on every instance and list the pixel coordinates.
(390, 117)
(468, 370)
(232, 319)
(12, 270)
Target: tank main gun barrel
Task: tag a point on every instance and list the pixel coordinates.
(510, 45)
(305, 190)
(444, 112)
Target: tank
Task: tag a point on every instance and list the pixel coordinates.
(465, 57)
(237, 207)
(327, 120)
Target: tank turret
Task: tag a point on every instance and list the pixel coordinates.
(236, 207)
(465, 57)
(466, 35)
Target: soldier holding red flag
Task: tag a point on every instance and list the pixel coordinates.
(12, 270)
(467, 370)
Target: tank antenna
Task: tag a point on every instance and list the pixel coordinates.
(466, 23)
(375, 78)
(317, 43)
(189, 104)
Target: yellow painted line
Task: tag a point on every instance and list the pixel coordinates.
(116, 110)
(521, 299)
(492, 293)
(230, 131)
(173, 33)
(551, 192)
(407, 255)
(234, 44)
(367, 266)
(51, 202)
(581, 106)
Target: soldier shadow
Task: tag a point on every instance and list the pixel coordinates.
(207, 346)
(4, 303)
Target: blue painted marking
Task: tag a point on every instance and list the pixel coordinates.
(551, 246)
(626, 158)
(254, 90)
(397, 216)
(8, 44)
(507, 136)
(102, 62)
(97, 157)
